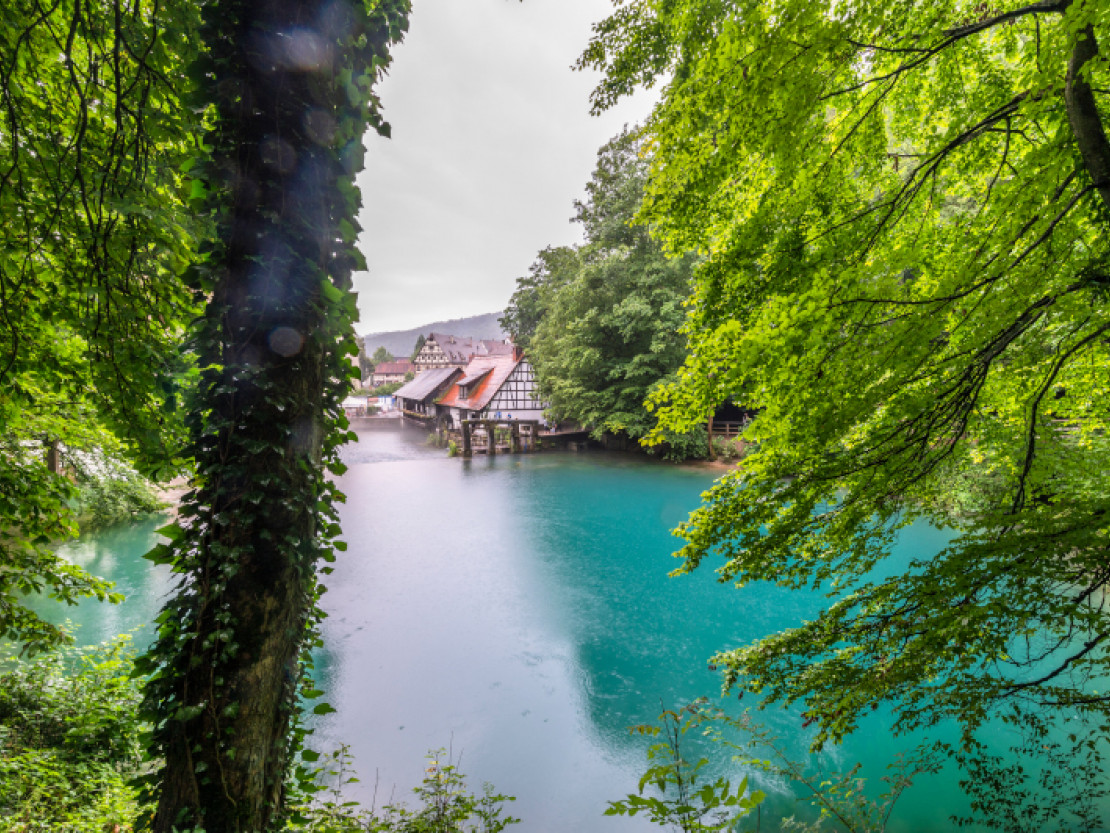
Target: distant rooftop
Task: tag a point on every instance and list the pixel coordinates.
(397, 366)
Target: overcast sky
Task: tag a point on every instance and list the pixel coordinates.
(492, 142)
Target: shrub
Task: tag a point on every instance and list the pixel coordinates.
(109, 491)
(437, 439)
(726, 449)
(445, 805)
(69, 740)
(691, 445)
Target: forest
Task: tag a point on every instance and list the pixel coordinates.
(880, 228)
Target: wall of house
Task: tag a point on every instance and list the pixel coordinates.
(515, 400)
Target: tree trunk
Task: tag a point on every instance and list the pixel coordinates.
(289, 81)
(1083, 116)
(53, 457)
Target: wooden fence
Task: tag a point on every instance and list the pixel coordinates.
(729, 430)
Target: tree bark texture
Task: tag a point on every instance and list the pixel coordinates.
(289, 86)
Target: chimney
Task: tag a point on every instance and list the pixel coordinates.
(518, 353)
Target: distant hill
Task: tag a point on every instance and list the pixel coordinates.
(401, 342)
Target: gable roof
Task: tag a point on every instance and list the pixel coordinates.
(461, 349)
(456, 348)
(492, 347)
(472, 375)
(427, 383)
(398, 366)
(487, 374)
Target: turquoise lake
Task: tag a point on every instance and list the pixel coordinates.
(518, 611)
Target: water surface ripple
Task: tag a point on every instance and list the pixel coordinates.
(518, 610)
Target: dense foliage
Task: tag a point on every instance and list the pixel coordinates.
(94, 140)
(903, 208)
(600, 321)
(381, 355)
(109, 491)
(70, 738)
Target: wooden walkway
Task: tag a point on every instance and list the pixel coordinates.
(522, 435)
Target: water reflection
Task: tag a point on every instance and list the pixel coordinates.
(117, 555)
(517, 609)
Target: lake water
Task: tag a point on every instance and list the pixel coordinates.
(517, 609)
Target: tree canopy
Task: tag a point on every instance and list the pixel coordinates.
(94, 145)
(600, 321)
(902, 209)
(380, 356)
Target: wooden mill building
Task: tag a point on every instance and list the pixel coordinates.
(417, 399)
(498, 388)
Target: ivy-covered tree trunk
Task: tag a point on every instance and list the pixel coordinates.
(288, 83)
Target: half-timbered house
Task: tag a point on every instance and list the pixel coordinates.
(516, 399)
(492, 387)
(444, 350)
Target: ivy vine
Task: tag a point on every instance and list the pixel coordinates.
(288, 92)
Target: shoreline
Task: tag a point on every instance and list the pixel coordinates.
(171, 494)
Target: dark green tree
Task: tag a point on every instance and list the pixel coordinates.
(601, 322)
(364, 365)
(904, 210)
(288, 86)
(419, 346)
(553, 268)
(380, 356)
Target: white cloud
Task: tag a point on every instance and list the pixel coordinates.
(492, 142)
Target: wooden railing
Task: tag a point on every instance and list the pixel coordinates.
(728, 429)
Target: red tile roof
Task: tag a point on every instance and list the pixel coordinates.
(492, 370)
(401, 366)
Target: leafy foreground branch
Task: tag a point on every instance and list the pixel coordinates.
(94, 234)
(444, 803)
(685, 801)
(903, 208)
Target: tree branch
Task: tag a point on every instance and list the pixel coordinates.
(1045, 7)
(1083, 116)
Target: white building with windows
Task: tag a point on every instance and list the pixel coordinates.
(493, 387)
(444, 350)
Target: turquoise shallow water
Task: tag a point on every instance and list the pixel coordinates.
(518, 611)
